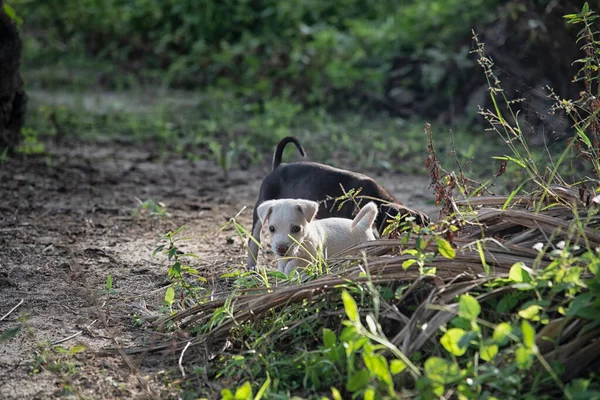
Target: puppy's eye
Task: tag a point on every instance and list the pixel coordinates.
(271, 229)
(295, 229)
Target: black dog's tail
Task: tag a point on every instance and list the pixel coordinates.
(281, 146)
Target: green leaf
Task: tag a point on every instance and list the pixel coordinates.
(528, 335)
(397, 366)
(406, 264)
(584, 138)
(524, 357)
(109, 282)
(445, 249)
(501, 332)
(441, 371)
(226, 394)
(328, 338)
(531, 312)
(450, 341)
(12, 14)
(263, 389)
(358, 381)
(369, 393)
(378, 366)
(518, 274)
(159, 248)
(486, 267)
(488, 352)
(170, 295)
(350, 306)
(466, 339)
(468, 307)
(244, 392)
(513, 194)
(589, 312)
(336, 394)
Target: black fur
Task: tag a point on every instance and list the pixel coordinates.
(322, 183)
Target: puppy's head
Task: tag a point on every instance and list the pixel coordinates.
(285, 218)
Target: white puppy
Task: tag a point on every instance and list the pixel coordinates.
(297, 238)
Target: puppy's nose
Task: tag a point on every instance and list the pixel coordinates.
(281, 249)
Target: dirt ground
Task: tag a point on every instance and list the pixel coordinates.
(66, 223)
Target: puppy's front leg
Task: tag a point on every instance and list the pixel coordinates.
(282, 264)
(253, 246)
(294, 264)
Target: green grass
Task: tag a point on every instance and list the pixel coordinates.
(203, 125)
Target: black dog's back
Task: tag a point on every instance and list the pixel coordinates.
(322, 183)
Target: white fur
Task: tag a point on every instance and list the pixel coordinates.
(297, 238)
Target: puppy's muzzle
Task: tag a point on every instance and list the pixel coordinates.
(281, 249)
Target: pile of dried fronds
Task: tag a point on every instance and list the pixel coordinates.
(488, 242)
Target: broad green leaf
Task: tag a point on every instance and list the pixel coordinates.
(468, 307)
(328, 338)
(378, 366)
(335, 394)
(466, 339)
(488, 352)
(531, 312)
(528, 335)
(406, 264)
(244, 392)
(445, 249)
(358, 381)
(350, 306)
(76, 349)
(501, 332)
(524, 357)
(397, 366)
(450, 341)
(441, 371)
(109, 282)
(348, 334)
(460, 322)
(369, 393)
(170, 295)
(226, 394)
(518, 274)
(589, 312)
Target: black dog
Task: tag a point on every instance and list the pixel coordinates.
(322, 183)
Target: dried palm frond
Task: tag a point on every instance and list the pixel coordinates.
(490, 242)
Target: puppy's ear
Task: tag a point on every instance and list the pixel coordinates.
(264, 211)
(308, 209)
(365, 218)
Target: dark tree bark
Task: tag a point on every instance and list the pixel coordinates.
(13, 100)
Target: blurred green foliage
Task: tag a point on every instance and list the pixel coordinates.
(316, 52)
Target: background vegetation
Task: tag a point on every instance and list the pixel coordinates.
(499, 301)
(275, 61)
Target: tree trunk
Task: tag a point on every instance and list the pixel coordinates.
(13, 100)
